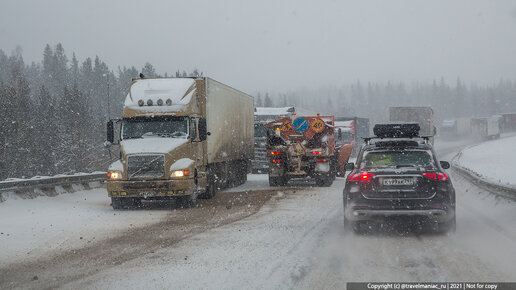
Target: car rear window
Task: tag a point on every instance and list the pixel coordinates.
(399, 158)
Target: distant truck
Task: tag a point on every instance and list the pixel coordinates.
(302, 147)
(487, 128)
(349, 134)
(509, 122)
(263, 115)
(180, 138)
(449, 128)
(422, 115)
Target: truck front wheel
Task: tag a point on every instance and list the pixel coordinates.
(210, 187)
(186, 201)
(125, 202)
(277, 181)
(326, 181)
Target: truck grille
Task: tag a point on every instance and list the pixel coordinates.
(145, 166)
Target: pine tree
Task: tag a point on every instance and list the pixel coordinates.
(148, 71)
(258, 101)
(267, 102)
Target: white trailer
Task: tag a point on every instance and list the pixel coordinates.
(422, 115)
(486, 128)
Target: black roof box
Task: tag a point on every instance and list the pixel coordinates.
(396, 130)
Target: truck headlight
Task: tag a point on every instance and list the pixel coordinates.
(114, 174)
(180, 173)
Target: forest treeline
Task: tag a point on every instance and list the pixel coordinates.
(372, 100)
(53, 114)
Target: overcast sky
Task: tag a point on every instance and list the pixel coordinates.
(277, 45)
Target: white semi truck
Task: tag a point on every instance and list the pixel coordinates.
(180, 138)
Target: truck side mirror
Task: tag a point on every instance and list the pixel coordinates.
(444, 164)
(349, 166)
(110, 132)
(203, 130)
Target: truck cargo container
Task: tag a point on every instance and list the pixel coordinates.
(424, 116)
(509, 122)
(486, 128)
(180, 138)
(464, 126)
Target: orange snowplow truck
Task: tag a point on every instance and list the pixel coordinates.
(302, 147)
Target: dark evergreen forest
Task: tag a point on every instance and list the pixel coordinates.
(53, 114)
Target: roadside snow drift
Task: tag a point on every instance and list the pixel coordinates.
(492, 160)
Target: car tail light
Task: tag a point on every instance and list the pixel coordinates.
(274, 153)
(442, 176)
(363, 176)
(317, 152)
(321, 160)
(353, 177)
(439, 176)
(276, 160)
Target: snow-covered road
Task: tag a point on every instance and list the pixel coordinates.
(271, 238)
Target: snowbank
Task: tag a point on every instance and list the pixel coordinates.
(492, 161)
(31, 228)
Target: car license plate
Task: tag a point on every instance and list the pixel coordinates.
(398, 181)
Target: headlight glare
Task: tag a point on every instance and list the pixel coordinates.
(113, 175)
(180, 173)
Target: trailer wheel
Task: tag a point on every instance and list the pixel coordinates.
(277, 181)
(324, 181)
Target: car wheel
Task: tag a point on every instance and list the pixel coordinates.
(358, 227)
(449, 226)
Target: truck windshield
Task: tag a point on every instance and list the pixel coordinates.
(162, 126)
